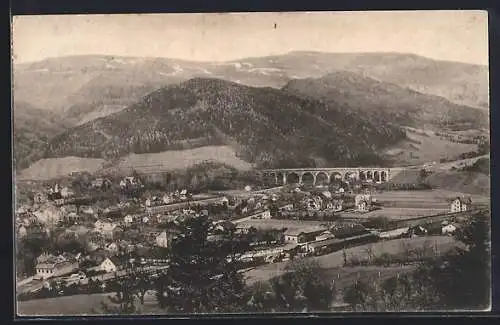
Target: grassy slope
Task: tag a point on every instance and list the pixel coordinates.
(180, 159)
(421, 148)
(460, 181)
(58, 167)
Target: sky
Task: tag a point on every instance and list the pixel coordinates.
(444, 35)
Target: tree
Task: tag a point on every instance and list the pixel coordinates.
(123, 302)
(454, 273)
(300, 289)
(357, 295)
(202, 275)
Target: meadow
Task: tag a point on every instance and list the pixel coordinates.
(336, 259)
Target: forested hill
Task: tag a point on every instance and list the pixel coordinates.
(266, 126)
(388, 102)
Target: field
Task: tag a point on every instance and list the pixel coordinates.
(179, 159)
(423, 146)
(395, 213)
(50, 168)
(469, 182)
(399, 205)
(77, 305)
(424, 196)
(336, 260)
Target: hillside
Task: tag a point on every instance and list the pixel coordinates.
(388, 102)
(94, 85)
(461, 181)
(265, 126)
(32, 130)
(423, 147)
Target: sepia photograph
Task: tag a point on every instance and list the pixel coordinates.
(251, 163)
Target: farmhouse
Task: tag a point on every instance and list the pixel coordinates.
(460, 205)
(110, 264)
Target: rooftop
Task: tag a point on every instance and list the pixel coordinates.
(306, 230)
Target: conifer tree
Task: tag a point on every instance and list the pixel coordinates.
(203, 274)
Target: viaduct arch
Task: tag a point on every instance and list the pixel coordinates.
(317, 176)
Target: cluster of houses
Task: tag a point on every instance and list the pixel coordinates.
(167, 198)
(157, 225)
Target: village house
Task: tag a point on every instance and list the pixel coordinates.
(302, 235)
(109, 265)
(317, 246)
(87, 210)
(460, 205)
(243, 228)
(448, 229)
(98, 256)
(66, 192)
(112, 248)
(128, 219)
(51, 266)
(183, 195)
(363, 202)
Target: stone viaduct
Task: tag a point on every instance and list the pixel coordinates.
(325, 175)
